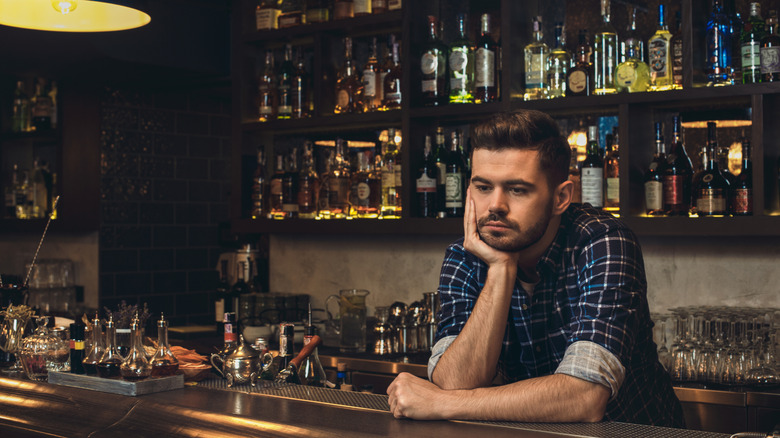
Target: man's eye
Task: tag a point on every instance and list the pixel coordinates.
(482, 188)
(518, 191)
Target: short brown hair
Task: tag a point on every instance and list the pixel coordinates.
(527, 129)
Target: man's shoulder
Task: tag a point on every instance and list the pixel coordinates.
(585, 223)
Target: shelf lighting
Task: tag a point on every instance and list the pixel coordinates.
(72, 15)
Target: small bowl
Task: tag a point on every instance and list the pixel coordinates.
(195, 372)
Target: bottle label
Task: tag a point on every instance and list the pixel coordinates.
(229, 335)
(285, 110)
(453, 190)
(388, 175)
(534, 75)
(362, 6)
(266, 110)
(219, 310)
(677, 61)
(770, 60)
(397, 175)
(429, 63)
(380, 86)
(458, 84)
(459, 60)
(485, 68)
(342, 99)
(658, 52)
(369, 83)
(743, 201)
(673, 189)
(751, 55)
(343, 10)
(267, 18)
(429, 85)
(276, 187)
(654, 195)
(338, 192)
(592, 179)
(578, 80)
(711, 201)
(363, 191)
(613, 189)
(426, 184)
(625, 76)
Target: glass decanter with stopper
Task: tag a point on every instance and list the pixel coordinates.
(135, 366)
(95, 351)
(163, 362)
(110, 360)
(42, 352)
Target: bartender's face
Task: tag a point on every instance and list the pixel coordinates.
(513, 200)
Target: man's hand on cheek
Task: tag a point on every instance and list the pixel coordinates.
(474, 243)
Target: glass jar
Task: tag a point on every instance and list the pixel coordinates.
(42, 352)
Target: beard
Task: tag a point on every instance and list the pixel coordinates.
(514, 239)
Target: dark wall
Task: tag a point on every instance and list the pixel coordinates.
(164, 190)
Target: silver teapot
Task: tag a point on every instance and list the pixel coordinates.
(242, 365)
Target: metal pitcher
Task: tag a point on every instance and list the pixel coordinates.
(351, 323)
(243, 365)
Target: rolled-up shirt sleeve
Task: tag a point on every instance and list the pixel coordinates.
(437, 351)
(590, 362)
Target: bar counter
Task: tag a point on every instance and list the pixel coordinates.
(40, 409)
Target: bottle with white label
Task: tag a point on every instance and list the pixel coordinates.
(654, 199)
(461, 60)
(427, 180)
(536, 54)
(486, 64)
(592, 171)
(433, 67)
(453, 181)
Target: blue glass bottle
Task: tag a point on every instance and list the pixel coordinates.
(719, 60)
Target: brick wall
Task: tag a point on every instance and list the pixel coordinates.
(164, 190)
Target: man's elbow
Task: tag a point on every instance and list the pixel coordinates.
(595, 404)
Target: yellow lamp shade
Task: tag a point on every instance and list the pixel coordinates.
(88, 16)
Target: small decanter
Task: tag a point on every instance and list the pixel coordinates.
(111, 360)
(164, 363)
(42, 352)
(97, 348)
(135, 366)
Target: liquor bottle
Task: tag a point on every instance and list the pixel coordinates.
(770, 50)
(654, 205)
(290, 186)
(735, 27)
(397, 170)
(349, 88)
(366, 187)
(722, 154)
(267, 14)
(660, 54)
(592, 171)
(223, 293)
(426, 183)
(742, 191)
(361, 7)
(285, 88)
(433, 67)
(712, 190)
(612, 173)
(580, 79)
(574, 177)
(393, 5)
(678, 175)
(558, 64)
(461, 59)
(275, 190)
(292, 14)
(163, 362)
(110, 360)
(633, 75)
(77, 344)
(266, 85)
(323, 196)
(259, 188)
(301, 84)
(486, 64)
(390, 158)
(441, 165)
(384, 67)
(317, 11)
(286, 344)
(454, 179)
(631, 37)
(339, 182)
(41, 183)
(308, 184)
(229, 334)
(392, 82)
(536, 53)
(41, 108)
(378, 6)
(240, 287)
(10, 193)
(343, 9)
(750, 45)
(20, 119)
(677, 53)
(718, 41)
(605, 53)
(371, 101)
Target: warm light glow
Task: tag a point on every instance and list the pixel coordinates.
(578, 140)
(735, 158)
(64, 6)
(721, 124)
(90, 16)
(350, 144)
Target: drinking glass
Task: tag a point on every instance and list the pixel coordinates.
(11, 336)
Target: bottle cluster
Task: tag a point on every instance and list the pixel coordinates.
(597, 177)
(352, 180)
(443, 175)
(673, 188)
(29, 193)
(278, 14)
(284, 92)
(463, 71)
(375, 87)
(37, 113)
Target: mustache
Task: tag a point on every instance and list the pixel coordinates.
(493, 217)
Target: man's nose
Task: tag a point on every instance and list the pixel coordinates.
(497, 204)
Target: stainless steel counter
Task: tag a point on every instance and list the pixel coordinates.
(31, 409)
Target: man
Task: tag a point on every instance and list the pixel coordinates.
(547, 296)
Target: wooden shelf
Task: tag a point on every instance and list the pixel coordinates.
(410, 226)
(367, 24)
(336, 122)
(704, 226)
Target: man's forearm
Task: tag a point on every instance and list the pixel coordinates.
(470, 362)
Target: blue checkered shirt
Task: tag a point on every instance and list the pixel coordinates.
(592, 288)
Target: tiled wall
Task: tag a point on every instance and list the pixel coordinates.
(164, 190)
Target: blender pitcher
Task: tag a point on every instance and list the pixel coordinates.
(351, 324)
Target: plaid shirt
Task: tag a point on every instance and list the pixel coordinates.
(592, 288)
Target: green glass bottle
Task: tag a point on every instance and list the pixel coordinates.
(461, 58)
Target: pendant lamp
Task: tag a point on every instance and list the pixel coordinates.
(72, 15)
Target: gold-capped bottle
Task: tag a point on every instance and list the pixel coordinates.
(267, 100)
(349, 87)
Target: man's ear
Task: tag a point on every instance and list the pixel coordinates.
(562, 197)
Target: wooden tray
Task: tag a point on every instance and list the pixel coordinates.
(117, 386)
